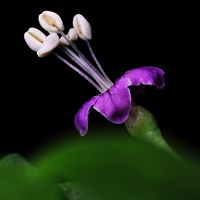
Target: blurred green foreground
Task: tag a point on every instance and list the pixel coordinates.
(99, 167)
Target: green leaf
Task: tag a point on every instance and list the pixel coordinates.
(70, 192)
(115, 166)
(19, 180)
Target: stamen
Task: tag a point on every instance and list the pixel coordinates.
(97, 62)
(95, 73)
(79, 72)
(79, 61)
(72, 53)
(50, 21)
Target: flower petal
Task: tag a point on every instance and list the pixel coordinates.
(147, 75)
(115, 103)
(81, 118)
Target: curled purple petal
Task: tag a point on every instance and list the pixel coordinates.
(147, 75)
(115, 103)
(81, 118)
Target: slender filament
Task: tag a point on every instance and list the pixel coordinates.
(97, 62)
(95, 73)
(79, 72)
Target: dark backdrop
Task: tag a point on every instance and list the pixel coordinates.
(40, 96)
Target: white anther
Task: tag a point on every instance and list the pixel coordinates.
(34, 38)
(72, 35)
(51, 21)
(82, 27)
(50, 43)
(64, 41)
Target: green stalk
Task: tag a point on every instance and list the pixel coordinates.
(142, 125)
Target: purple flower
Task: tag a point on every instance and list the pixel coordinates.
(114, 100)
(115, 103)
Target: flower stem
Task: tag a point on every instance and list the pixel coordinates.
(142, 125)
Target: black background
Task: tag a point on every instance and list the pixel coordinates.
(40, 96)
